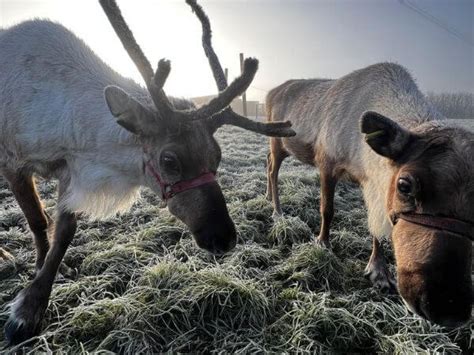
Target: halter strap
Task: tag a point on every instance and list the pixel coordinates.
(453, 225)
(169, 190)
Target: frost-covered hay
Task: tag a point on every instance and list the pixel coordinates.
(144, 286)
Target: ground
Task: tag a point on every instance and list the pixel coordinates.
(144, 285)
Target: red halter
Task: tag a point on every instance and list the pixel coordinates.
(452, 225)
(169, 190)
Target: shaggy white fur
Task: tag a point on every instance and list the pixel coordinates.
(54, 120)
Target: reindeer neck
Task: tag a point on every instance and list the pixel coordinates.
(399, 98)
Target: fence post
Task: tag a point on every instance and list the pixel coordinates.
(244, 97)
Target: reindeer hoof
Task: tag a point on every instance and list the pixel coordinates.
(323, 243)
(67, 272)
(25, 318)
(381, 278)
(17, 331)
(276, 216)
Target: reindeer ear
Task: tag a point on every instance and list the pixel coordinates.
(385, 137)
(130, 114)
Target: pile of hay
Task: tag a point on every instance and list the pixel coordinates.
(144, 285)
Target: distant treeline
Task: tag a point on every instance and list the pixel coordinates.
(453, 105)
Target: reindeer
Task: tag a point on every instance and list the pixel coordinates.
(57, 108)
(415, 169)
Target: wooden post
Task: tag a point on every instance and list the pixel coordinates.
(226, 74)
(244, 97)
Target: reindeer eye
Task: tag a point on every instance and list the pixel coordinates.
(404, 186)
(169, 162)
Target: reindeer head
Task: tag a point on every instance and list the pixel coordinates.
(431, 205)
(180, 154)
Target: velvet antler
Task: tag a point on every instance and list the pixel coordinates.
(155, 81)
(275, 129)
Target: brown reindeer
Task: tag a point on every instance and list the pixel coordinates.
(416, 171)
(66, 115)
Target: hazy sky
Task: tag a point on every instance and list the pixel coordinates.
(292, 39)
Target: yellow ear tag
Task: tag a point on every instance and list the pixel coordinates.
(375, 134)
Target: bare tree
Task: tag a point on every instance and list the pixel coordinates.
(453, 105)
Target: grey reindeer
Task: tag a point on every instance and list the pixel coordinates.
(416, 171)
(65, 114)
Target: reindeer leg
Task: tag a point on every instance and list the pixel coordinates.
(29, 306)
(268, 194)
(377, 269)
(24, 190)
(328, 187)
(277, 155)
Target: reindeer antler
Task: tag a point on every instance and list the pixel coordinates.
(214, 62)
(275, 129)
(127, 38)
(155, 81)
